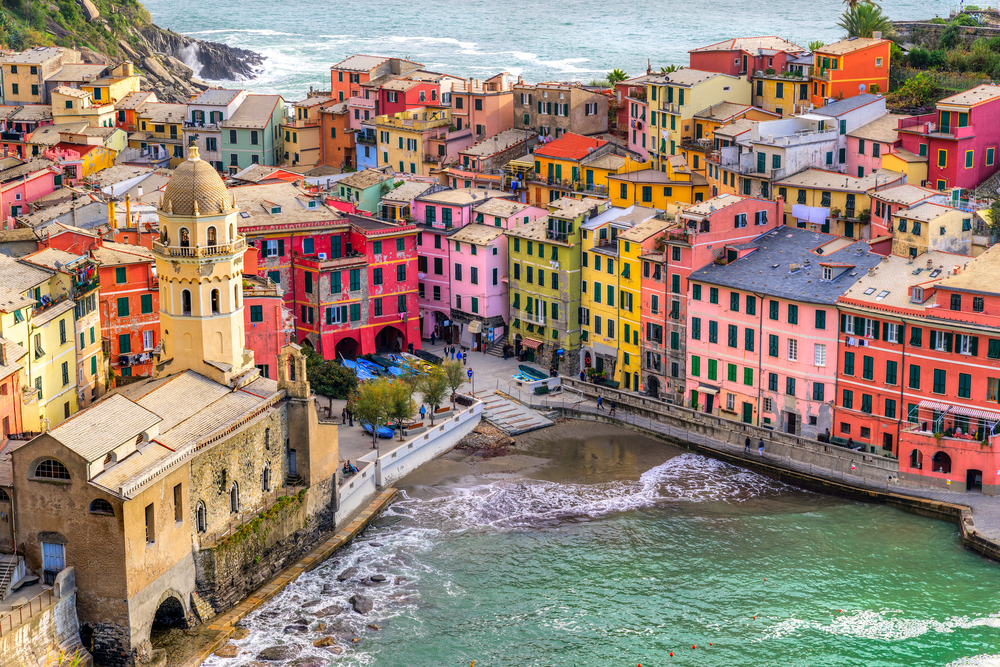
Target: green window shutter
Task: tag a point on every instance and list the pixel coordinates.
(123, 306)
(146, 303)
(125, 343)
(121, 275)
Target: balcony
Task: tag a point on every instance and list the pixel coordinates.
(200, 125)
(365, 138)
(533, 318)
(80, 288)
(433, 159)
(200, 251)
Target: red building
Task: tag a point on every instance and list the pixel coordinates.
(959, 140)
(269, 323)
(919, 368)
(403, 94)
(129, 301)
(745, 55)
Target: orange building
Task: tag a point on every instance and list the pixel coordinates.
(338, 145)
(850, 67)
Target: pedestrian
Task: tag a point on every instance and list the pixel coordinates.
(343, 417)
(746, 446)
(432, 338)
(350, 417)
(423, 412)
(464, 358)
(410, 348)
(613, 406)
(505, 352)
(760, 447)
(600, 402)
(583, 376)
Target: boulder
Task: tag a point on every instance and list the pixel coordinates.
(361, 604)
(372, 626)
(309, 662)
(375, 544)
(178, 67)
(320, 627)
(240, 632)
(378, 578)
(281, 652)
(336, 649)
(329, 611)
(295, 629)
(399, 580)
(323, 642)
(156, 69)
(347, 574)
(385, 521)
(89, 10)
(311, 603)
(228, 651)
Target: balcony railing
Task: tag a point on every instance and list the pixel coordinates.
(200, 251)
(200, 125)
(363, 138)
(527, 316)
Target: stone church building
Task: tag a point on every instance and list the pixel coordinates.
(143, 492)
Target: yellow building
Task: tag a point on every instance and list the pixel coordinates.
(417, 140)
(160, 128)
(785, 93)
(675, 98)
(905, 162)
(930, 226)
(25, 73)
(707, 122)
(201, 299)
(832, 202)
(70, 105)
(577, 164)
(110, 89)
(675, 184)
(42, 299)
(303, 132)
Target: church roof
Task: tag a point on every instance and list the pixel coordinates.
(195, 189)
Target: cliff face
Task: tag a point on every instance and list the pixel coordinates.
(111, 31)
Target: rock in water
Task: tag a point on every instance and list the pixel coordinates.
(378, 578)
(347, 574)
(372, 626)
(361, 604)
(283, 652)
(239, 632)
(324, 641)
(228, 651)
(295, 629)
(385, 521)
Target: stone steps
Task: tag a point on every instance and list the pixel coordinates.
(510, 416)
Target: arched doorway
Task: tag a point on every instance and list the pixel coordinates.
(390, 339)
(916, 459)
(653, 386)
(170, 614)
(974, 480)
(941, 462)
(346, 348)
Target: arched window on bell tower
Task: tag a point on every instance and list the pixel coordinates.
(236, 296)
(212, 236)
(215, 300)
(185, 302)
(185, 237)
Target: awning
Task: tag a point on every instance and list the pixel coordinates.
(531, 343)
(702, 389)
(988, 415)
(475, 326)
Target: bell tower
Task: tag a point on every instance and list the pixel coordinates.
(199, 264)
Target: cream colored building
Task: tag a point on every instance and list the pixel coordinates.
(25, 73)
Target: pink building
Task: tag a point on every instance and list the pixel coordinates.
(867, 144)
(479, 306)
(486, 107)
(24, 184)
(745, 55)
(440, 214)
(698, 238)
(763, 329)
(632, 112)
(269, 323)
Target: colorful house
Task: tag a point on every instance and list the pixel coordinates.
(127, 110)
(338, 147)
(365, 189)
(349, 76)
(71, 104)
(206, 113)
(957, 141)
(699, 150)
(25, 73)
(19, 404)
(554, 108)
(252, 135)
(832, 202)
(677, 184)
(763, 329)
(867, 144)
(577, 164)
(119, 82)
(485, 106)
(893, 200)
(160, 130)
(78, 161)
(931, 226)
(12, 379)
(478, 257)
(845, 68)
(303, 132)
(920, 348)
(419, 140)
(632, 111)
(396, 204)
(785, 93)
(746, 56)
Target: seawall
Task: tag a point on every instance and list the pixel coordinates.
(51, 628)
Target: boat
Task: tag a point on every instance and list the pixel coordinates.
(383, 431)
(417, 361)
(406, 366)
(374, 369)
(360, 372)
(533, 372)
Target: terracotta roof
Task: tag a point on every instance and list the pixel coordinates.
(848, 46)
(981, 93)
(51, 258)
(360, 63)
(736, 128)
(752, 44)
(569, 146)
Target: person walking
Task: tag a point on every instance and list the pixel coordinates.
(423, 412)
(343, 417)
(432, 338)
(600, 402)
(350, 417)
(746, 446)
(614, 405)
(760, 447)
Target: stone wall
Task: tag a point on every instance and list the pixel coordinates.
(50, 631)
(928, 35)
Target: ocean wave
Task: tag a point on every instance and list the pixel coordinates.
(524, 502)
(883, 625)
(977, 661)
(263, 32)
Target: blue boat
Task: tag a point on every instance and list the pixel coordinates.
(383, 431)
(373, 369)
(360, 372)
(386, 366)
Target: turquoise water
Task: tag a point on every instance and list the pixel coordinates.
(556, 40)
(655, 551)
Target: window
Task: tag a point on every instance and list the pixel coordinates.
(125, 343)
(51, 469)
(793, 314)
(848, 400)
(772, 307)
(940, 381)
(848, 363)
(956, 302)
(819, 354)
(916, 335)
(866, 406)
(914, 377)
(696, 292)
(748, 342)
(772, 382)
(733, 331)
(793, 349)
(890, 372)
(713, 295)
(734, 302)
(748, 377)
(713, 332)
(964, 385)
(731, 372)
(150, 524)
(101, 506)
(790, 386)
(868, 368)
(123, 306)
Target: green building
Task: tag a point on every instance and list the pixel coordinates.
(366, 188)
(543, 260)
(252, 135)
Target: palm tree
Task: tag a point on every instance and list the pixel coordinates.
(816, 45)
(669, 69)
(851, 4)
(616, 75)
(865, 19)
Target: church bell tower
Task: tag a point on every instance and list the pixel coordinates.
(199, 264)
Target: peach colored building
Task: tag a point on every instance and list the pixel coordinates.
(487, 107)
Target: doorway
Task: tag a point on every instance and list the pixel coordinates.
(791, 422)
(974, 480)
(709, 403)
(53, 560)
(747, 413)
(887, 441)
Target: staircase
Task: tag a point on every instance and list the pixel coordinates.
(496, 349)
(11, 572)
(202, 608)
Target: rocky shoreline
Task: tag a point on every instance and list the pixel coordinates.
(487, 439)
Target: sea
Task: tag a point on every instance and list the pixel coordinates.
(617, 551)
(540, 40)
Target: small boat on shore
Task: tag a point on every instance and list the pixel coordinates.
(384, 432)
(360, 372)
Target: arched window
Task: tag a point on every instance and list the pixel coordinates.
(185, 238)
(916, 460)
(4, 496)
(234, 498)
(185, 302)
(201, 518)
(111, 458)
(941, 462)
(101, 506)
(215, 302)
(51, 469)
(266, 480)
(267, 438)
(232, 233)
(236, 296)
(211, 236)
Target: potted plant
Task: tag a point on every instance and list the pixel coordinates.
(834, 212)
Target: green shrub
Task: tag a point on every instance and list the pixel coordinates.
(949, 38)
(965, 20)
(938, 21)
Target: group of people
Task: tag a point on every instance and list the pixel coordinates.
(346, 416)
(760, 446)
(614, 406)
(455, 352)
(349, 469)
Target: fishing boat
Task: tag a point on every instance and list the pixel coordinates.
(533, 372)
(417, 361)
(374, 369)
(384, 432)
(360, 372)
(385, 366)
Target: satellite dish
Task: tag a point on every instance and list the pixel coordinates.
(861, 87)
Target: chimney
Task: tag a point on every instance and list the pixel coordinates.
(930, 263)
(877, 34)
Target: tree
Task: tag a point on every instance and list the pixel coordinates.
(864, 20)
(328, 378)
(371, 404)
(994, 219)
(616, 75)
(851, 4)
(401, 405)
(670, 69)
(455, 373)
(816, 45)
(433, 385)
